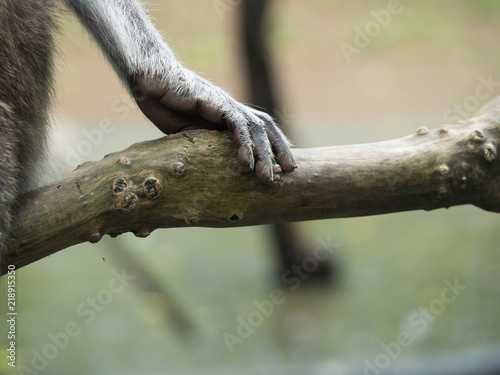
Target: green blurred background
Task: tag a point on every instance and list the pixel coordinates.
(429, 58)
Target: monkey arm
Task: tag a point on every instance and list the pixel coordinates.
(171, 96)
(190, 179)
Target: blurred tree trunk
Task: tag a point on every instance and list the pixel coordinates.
(290, 245)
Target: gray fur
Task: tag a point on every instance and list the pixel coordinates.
(26, 46)
(171, 96)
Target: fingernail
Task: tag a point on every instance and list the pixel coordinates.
(252, 163)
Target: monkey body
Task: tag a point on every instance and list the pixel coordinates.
(25, 86)
(171, 96)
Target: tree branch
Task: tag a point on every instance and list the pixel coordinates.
(193, 179)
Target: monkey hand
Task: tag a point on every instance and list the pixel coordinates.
(190, 102)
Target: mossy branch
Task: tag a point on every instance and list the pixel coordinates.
(193, 179)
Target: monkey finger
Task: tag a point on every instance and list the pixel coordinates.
(242, 140)
(281, 147)
(262, 150)
(280, 143)
(264, 170)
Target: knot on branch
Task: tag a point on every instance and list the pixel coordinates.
(490, 153)
(422, 130)
(124, 160)
(178, 169)
(142, 233)
(191, 220)
(95, 237)
(151, 188)
(128, 193)
(479, 144)
(119, 186)
(127, 202)
(478, 136)
(444, 170)
(468, 168)
(444, 130)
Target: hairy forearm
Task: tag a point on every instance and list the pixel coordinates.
(127, 36)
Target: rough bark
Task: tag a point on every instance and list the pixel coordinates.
(193, 179)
